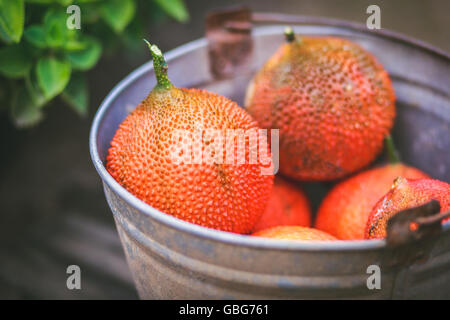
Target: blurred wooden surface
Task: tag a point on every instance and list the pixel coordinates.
(35, 266)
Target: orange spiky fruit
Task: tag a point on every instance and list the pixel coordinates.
(332, 102)
(288, 206)
(213, 194)
(405, 194)
(346, 208)
(294, 233)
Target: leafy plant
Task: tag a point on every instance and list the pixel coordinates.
(41, 58)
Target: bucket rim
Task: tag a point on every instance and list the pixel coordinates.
(217, 235)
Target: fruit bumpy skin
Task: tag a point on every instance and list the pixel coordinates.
(228, 197)
(345, 210)
(288, 206)
(294, 233)
(405, 194)
(332, 102)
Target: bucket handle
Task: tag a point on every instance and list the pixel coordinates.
(230, 45)
(411, 233)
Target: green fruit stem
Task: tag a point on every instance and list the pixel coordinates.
(160, 67)
(391, 150)
(289, 34)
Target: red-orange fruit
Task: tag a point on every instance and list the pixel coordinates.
(288, 206)
(294, 233)
(345, 209)
(229, 197)
(332, 102)
(405, 194)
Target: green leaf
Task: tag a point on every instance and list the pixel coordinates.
(24, 112)
(36, 36)
(76, 94)
(14, 61)
(40, 1)
(56, 31)
(63, 2)
(118, 13)
(86, 58)
(74, 45)
(174, 8)
(34, 90)
(12, 14)
(52, 75)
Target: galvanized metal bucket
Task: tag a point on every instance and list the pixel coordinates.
(170, 258)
